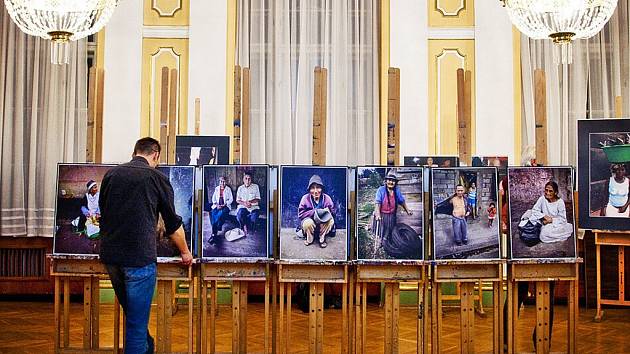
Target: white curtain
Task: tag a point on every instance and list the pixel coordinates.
(584, 89)
(282, 42)
(43, 121)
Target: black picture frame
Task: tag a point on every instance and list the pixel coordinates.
(594, 171)
(213, 149)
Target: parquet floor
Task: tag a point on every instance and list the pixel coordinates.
(27, 327)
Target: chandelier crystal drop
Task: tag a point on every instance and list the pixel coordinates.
(60, 21)
(560, 20)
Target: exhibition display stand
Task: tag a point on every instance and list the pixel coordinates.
(542, 272)
(620, 240)
(392, 273)
(317, 274)
(466, 274)
(240, 273)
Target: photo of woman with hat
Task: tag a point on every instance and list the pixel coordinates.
(390, 213)
(313, 213)
(316, 212)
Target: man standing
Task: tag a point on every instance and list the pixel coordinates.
(460, 232)
(132, 195)
(247, 197)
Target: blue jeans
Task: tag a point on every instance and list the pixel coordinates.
(134, 289)
(218, 218)
(247, 218)
(460, 231)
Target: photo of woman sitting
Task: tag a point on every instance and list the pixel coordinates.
(550, 212)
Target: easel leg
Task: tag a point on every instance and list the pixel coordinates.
(358, 339)
(395, 317)
(320, 318)
(621, 260)
(95, 311)
(213, 317)
(436, 314)
(312, 318)
(116, 325)
(267, 312)
(598, 272)
(57, 315)
(236, 315)
(480, 310)
(87, 315)
(388, 308)
(281, 339)
(542, 317)
(161, 336)
(420, 322)
(426, 317)
(203, 325)
(351, 315)
(512, 315)
(289, 294)
(572, 317)
(497, 320)
(344, 319)
(168, 313)
(467, 309)
(191, 319)
(364, 317)
(66, 312)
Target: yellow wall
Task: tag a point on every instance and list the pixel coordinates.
(164, 44)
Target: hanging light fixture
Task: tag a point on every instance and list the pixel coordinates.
(60, 21)
(560, 20)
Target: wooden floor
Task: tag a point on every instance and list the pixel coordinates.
(27, 327)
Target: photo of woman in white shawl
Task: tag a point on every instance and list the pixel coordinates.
(551, 213)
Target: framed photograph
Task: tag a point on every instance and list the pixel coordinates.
(390, 212)
(603, 173)
(198, 150)
(77, 214)
(432, 161)
(465, 213)
(235, 217)
(313, 213)
(541, 212)
(182, 179)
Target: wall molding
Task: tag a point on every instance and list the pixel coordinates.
(165, 31)
(451, 33)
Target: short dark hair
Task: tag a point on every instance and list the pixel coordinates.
(146, 146)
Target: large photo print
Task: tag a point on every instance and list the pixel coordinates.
(541, 212)
(603, 167)
(465, 224)
(182, 180)
(77, 214)
(313, 213)
(390, 213)
(235, 214)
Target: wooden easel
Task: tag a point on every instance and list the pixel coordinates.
(542, 272)
(240, 274)
(317, 274)
(167, 273)
(392, 274)
(91, 271)
(620, 240)
(612, 238)
(466, 274)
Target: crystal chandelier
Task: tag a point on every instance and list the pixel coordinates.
(560, 20)
(60, 21)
